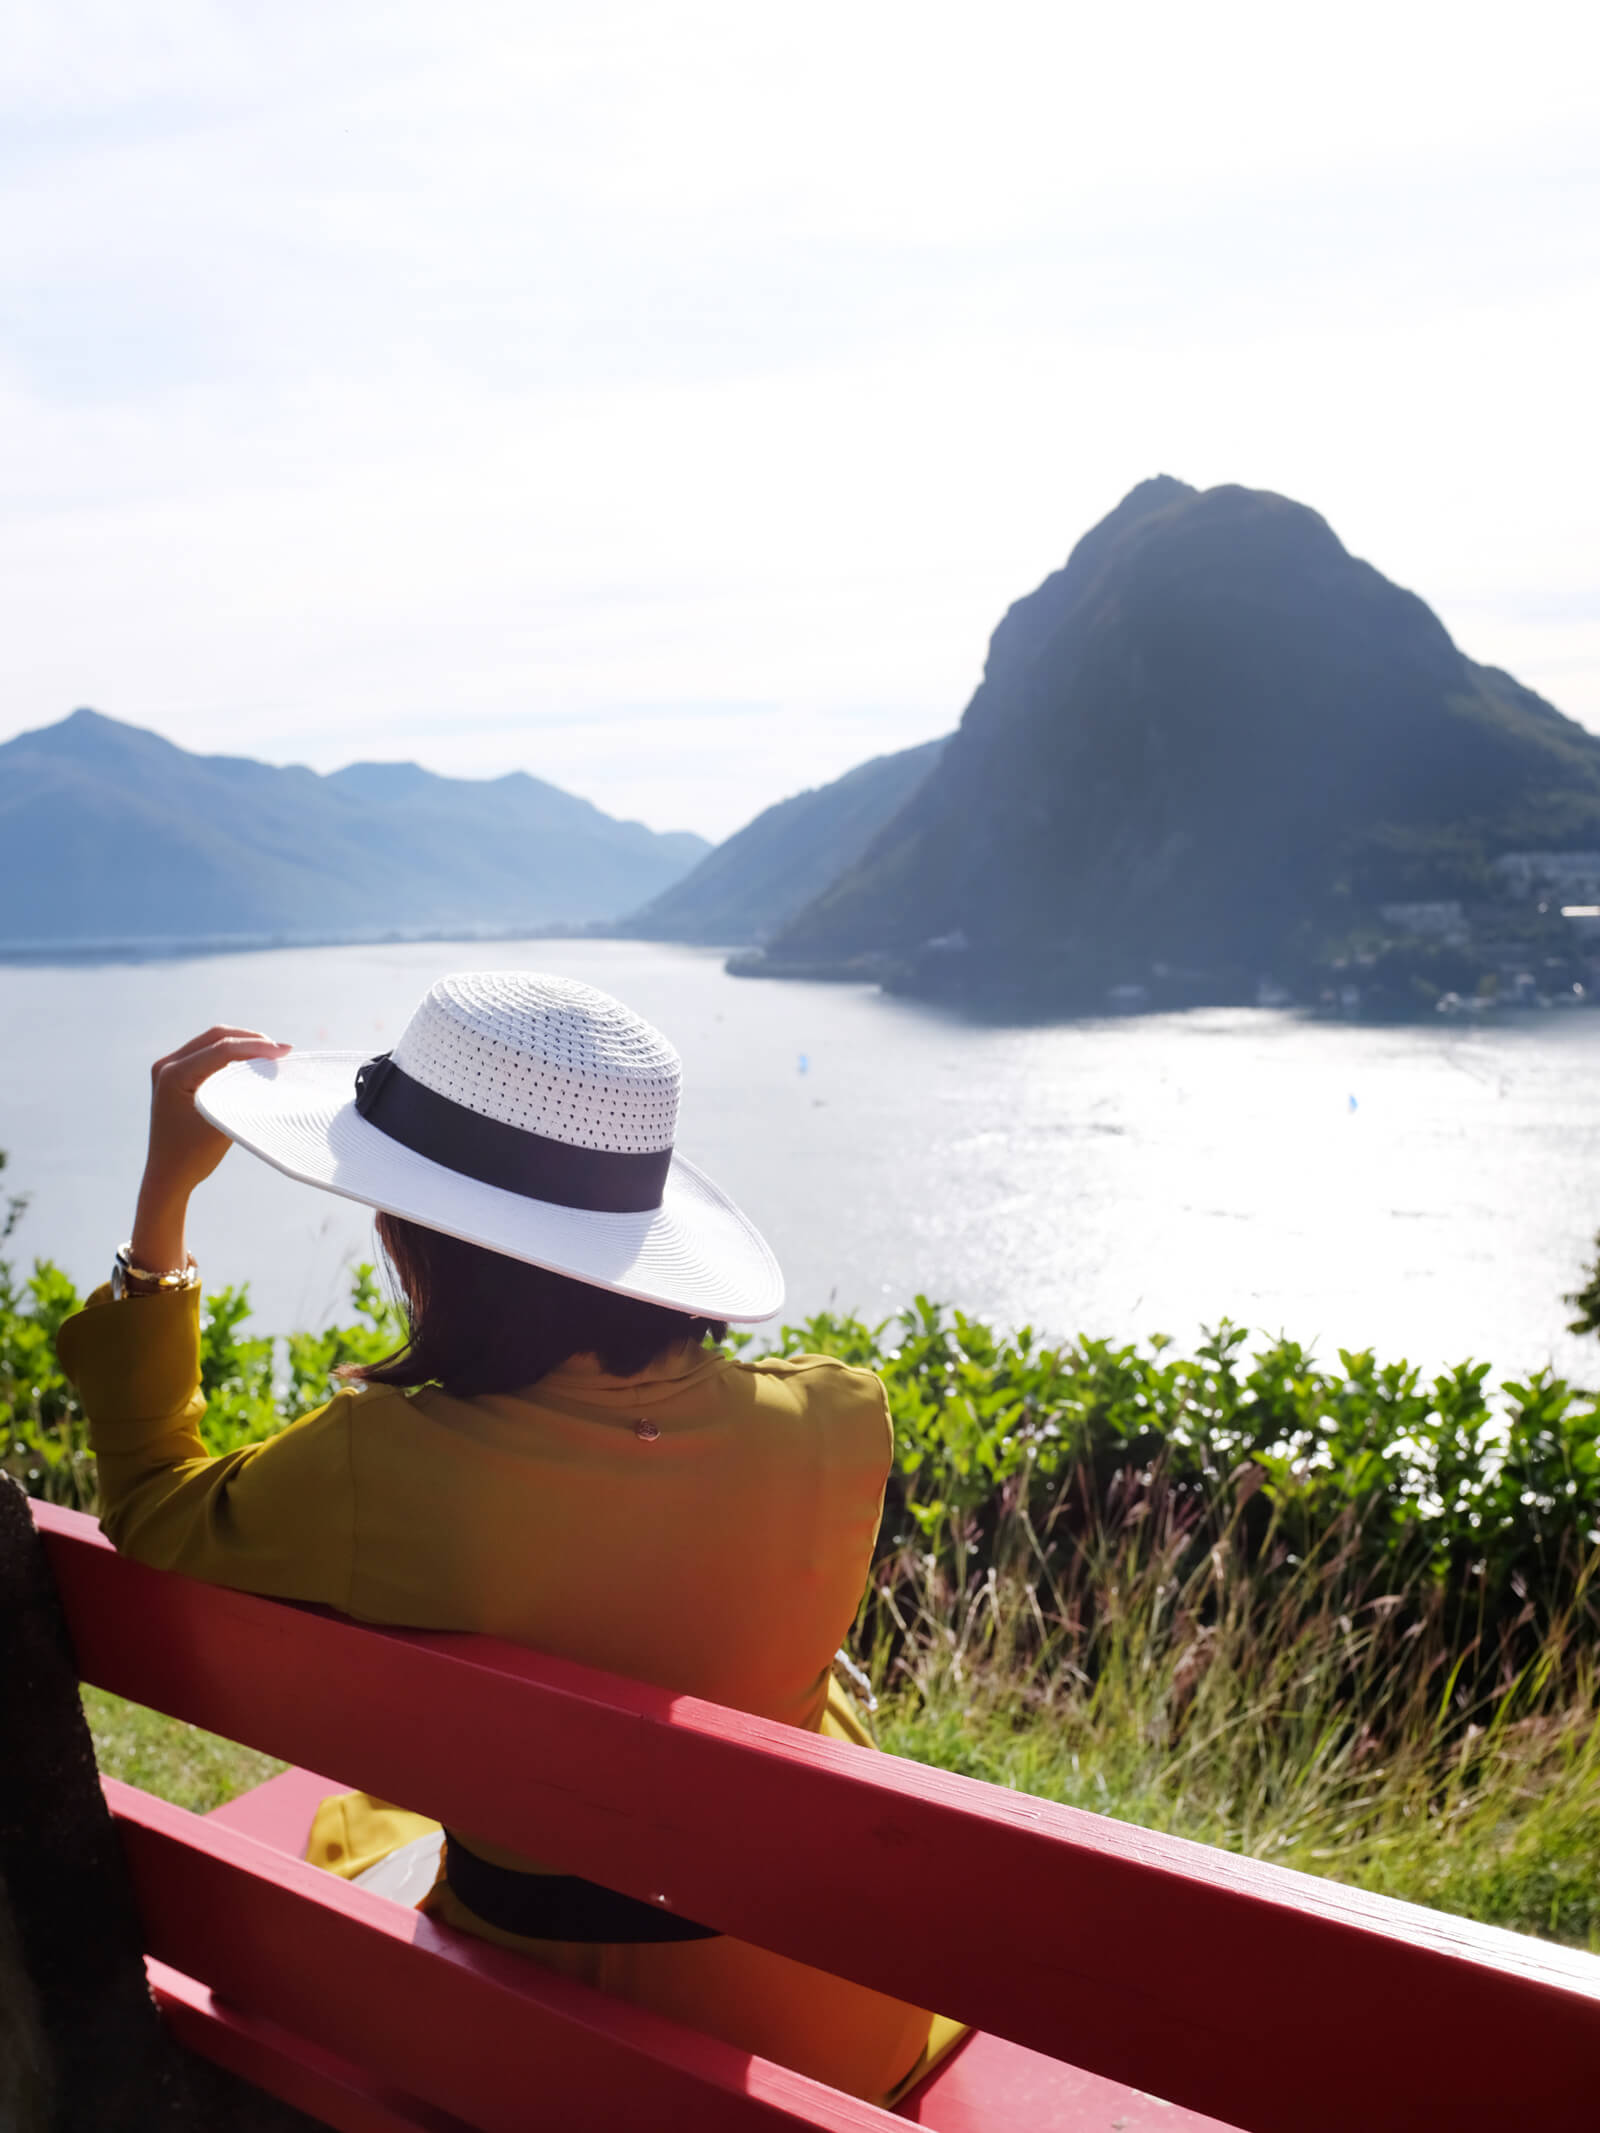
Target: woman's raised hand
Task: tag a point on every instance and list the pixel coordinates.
(184, 1147)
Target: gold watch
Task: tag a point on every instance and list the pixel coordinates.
(130, 1280)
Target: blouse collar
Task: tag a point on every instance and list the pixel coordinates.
(580, 1376)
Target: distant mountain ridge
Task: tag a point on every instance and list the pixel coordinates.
(747, 888)
(109, 833)
(1212, 746)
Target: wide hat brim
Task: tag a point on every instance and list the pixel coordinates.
(696, 1252)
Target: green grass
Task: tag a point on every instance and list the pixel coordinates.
(1514, 1844)
(176, 1762)
(1346, 1733)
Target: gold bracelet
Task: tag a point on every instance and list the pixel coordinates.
(130, 1280)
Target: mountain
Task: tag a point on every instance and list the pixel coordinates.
(745, 890)
(1214, 746)
(112, 834)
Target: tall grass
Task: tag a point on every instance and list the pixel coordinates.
(1300, 1710)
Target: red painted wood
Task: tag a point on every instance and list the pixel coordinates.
(987, 2086)
(279, 1812)
(463, 2026)
(1179, 1970)
(287, 2067)
(991, 2086)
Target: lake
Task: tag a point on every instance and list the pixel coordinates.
(1429, 1192)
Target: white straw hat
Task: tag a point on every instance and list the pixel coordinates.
(527, 1113)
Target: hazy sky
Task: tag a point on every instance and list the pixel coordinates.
(669, 399)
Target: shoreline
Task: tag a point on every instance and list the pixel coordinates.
(168, 948)
(744, 962)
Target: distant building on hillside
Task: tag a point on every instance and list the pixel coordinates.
(1444, 921)
(1574, 876)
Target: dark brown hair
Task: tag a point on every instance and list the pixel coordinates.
(480, 1322)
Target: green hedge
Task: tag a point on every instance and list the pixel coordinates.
(1488, 1493)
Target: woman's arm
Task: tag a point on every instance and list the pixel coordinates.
(276, 1517)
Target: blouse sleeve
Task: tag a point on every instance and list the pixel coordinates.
(276, 1517)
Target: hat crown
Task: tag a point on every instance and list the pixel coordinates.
(546, 1055)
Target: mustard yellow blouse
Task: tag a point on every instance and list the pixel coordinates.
(707, 1527)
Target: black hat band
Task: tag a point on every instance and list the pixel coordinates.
(604, 1180)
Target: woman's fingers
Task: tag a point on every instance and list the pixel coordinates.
(195, 1067)
(212, 1041)
(207, 1036)
(214, 1035)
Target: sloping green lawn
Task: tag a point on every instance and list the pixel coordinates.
(162, 1755)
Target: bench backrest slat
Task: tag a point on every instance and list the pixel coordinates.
(1211, 1980)
(462, 2025)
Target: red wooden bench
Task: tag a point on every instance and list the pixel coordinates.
(1105, 1967)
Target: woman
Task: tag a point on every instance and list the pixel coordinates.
(555, 1456)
